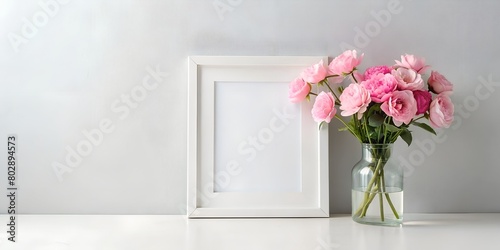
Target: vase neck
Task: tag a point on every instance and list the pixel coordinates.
(371, 152)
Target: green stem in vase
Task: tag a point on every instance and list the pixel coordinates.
(388, 198)
(377, 186)
(381, 197)
(375, 175)
(373, 180)
(366, 204)
(392, 206)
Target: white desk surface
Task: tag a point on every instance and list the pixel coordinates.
(93, 232)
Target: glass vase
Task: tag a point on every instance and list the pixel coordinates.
(377, 187)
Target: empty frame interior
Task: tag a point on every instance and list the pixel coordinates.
(251, 152)
(256, 130)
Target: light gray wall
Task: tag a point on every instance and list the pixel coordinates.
(69, 73)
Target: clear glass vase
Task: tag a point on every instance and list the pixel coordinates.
(377, 187)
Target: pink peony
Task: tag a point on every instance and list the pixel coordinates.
(354, 99)
(380, 86)
(345, 63)
(438, 83)
(324, 107)
(423, 99)
(401, 106)
(408, 79)
(298, 90)
(314, 73)
(377, 70)
(441, 111)
(412, 62)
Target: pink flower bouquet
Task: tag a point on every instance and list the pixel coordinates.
(381, 104)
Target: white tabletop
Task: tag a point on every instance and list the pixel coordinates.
(92, 232)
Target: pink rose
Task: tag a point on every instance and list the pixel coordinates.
(377, 70)
(298, 90)
(423, 99)
(324, 107)
(412, 62)
(438, 83)
(408, 79)
(380, 86)
(314, 73)
(441, 111)
(345, 63)
(354, 99)
(401, 106)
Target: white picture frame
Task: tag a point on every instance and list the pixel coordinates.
(247, 155)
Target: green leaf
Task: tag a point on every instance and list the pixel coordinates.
(375, 120)
(406, 136)
(343, 129)
(374, 136)
(352, 123)
(425, 127)
(391, 128)
(372, 108)
(376, 107)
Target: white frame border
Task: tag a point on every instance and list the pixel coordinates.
(312, 203)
